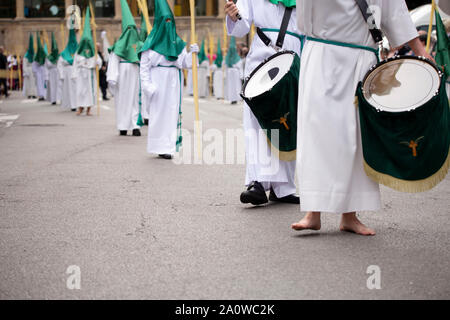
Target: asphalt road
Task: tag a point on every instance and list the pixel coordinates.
(74, 193)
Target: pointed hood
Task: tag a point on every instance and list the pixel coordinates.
(86, 47)
(286, 3)
(54, 55)
(232, 56)
(202, 54)
(163, 38)
(129, 42)
(71, 47)
(40, 55)
(219, 58)
(29, 55)
(443, 46)
(143, 34)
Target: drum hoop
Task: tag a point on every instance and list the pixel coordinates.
(247, 79)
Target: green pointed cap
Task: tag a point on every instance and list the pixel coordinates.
(86, 47)
(71, 47)
(54, 55)
(443, 46)
(29, 55)
(129, 43)
(219, 57)
(232, 56)
(202, 55)
(40, 55)
(163, 38)
(143, 34)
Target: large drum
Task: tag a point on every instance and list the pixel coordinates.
(271, 92)
(405, 118)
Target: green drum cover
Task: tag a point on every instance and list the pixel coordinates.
(277, 107)
(407, 151)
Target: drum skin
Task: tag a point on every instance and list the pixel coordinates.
(277, 110)
(407, 151)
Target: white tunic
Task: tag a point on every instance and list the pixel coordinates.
(29, 82)
(190, 84)
(85, 77)
(39, 74)
(53, 81)
(234, 83)
(123, 80)
(68, 83)
(264, 14)
(218, 82)
(203, 83)
(330, 161)
(162, 85)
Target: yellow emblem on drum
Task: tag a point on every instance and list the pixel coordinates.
(283, 121)
(413, 144)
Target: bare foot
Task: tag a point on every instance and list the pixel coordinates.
(350, 223)
(311, 221)
(88, 112)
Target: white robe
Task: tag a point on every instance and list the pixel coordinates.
(39, 75)
(29, 82)
(85, 76)
(162, 85)
(330, 161)
(234, 83)
(203, 83)
(67, 83)
(264, 14)
(53, 82)
(123, 80)
(190, 84)
(218, 82)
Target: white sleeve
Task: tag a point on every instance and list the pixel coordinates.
(396, 22)
(112, 74)
(241, 27)
(185, 60)
(148, 87)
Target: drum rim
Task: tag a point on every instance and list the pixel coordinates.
(246, 80)
(400, 57)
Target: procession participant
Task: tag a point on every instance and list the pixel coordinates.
(3, 72)
(53, 89)
(330, 161)
(102, 72)
(38, 67)
(65, 70)
(123, 74)
(29, 82)
(162, 58)
(203, 72)
(234, 73)
(218, 73)
(267, 14)
(84, 64)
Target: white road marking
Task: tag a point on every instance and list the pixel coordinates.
(29, 101)
(8, 119)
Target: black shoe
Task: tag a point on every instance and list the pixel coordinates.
(255, 194)
(233, 102)
(53, 103)
(123, 132)
(145, 122)
(105, 99)
(288, 199)
(41, 99)
(73, 110)
(136, 132)
(166, 156)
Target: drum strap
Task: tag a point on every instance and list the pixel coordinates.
(376, 33)
(281, 35)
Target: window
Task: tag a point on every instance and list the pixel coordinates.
(44, 8)
(202, 8)
(8, 9)
(102, 8)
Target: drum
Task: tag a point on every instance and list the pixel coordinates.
(271, 92)
(405, 119)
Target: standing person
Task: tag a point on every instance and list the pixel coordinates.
(53, 75)
(123, 74)
(39, 71)
(3, 71)
(218, 73)
(234, 73)
(29, 82)
(84, 64)
(65, 70)
(163, 57)
(330, 162)
(203, 72)
(102, 73)
(260, 177)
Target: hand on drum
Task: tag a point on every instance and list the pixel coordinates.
(419, 49)
(231, 10)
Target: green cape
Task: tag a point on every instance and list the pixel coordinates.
(219, 58)
(40, 55)
(202, 55)
(287, 3)
(163, 38)
(29, 55)
(86, 47)
(129, 42)
(143, 34)
(54, 55)
(71, 47)
(443, 46)
(232, 56)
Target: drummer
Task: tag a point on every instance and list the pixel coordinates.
(329, 139)
(267, 15)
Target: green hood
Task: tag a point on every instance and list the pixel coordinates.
(129, 42)
(443, 46)
(86, 47)
(40, 55)
(202, 55)
(163, 38)
(287, 3)
(143, 34)
(71, 47)
(54, 55)
(219, 58)
(232, 56)
(29, 55)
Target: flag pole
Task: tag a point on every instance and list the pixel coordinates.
(144, 9)
(430, 27)
(94, 34)
(195, 77)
